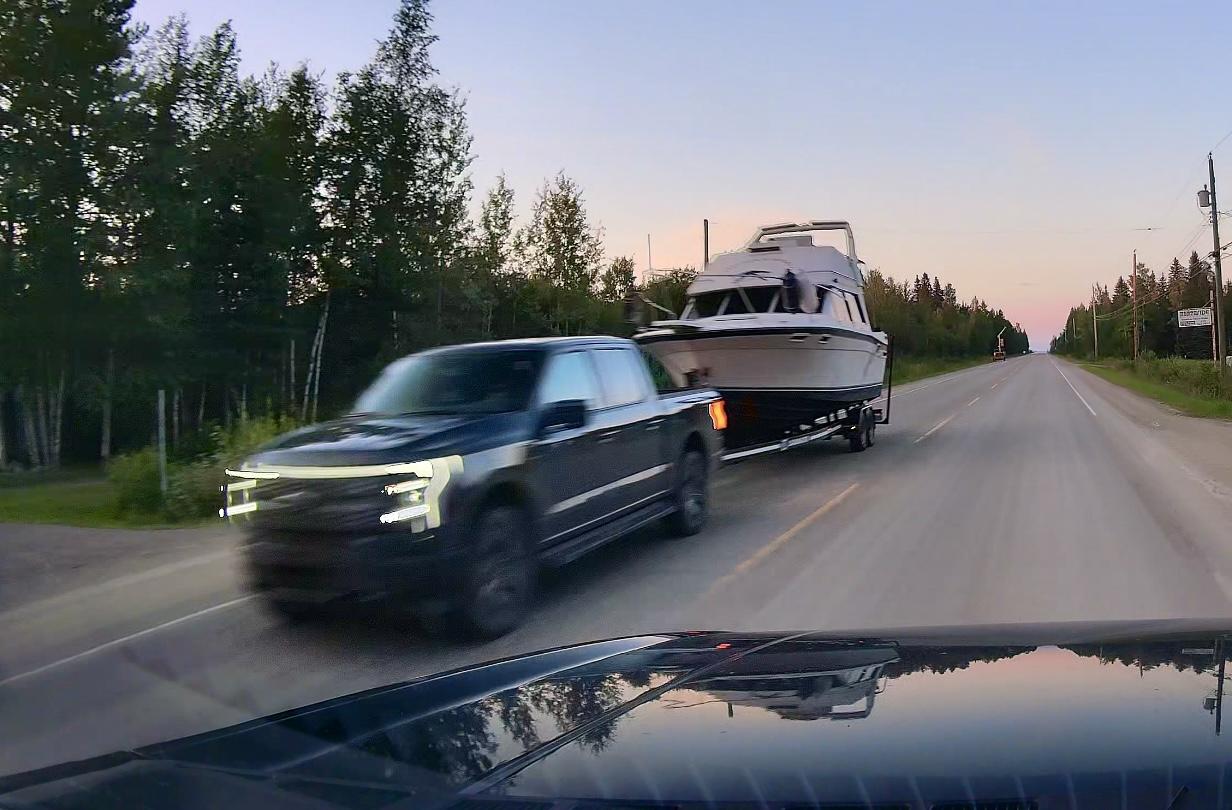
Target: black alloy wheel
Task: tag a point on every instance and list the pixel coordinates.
(691, 496)
(500, 580)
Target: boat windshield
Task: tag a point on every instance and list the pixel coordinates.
(739, 301)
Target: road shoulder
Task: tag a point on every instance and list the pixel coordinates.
(42, 561)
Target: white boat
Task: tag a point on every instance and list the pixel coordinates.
(780, 327)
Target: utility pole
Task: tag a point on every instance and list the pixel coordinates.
(1094, 323)
(1134, 286)
(1209, 197)
(1214, 344)
(705, 243)
(649, 265)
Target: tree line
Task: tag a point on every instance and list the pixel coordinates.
(1110, 313)
(926, 318)
(263, 245)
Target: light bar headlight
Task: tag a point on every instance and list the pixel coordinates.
(416, 487)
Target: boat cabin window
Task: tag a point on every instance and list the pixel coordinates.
(860, 309)
(839, 308)
(706, 305)
(761, 298)
(847, 304)
(737, 303)
(740, 301)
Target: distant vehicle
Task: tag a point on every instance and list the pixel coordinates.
(463, 469)
(1050, 716)
(781, 328)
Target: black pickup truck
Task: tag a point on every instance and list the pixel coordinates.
(463, 469)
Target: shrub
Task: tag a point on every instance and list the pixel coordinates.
(193, 487)
(231, 447)
(1197, 377)
(135, 477)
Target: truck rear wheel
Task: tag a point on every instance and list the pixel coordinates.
(691, 496)
(500, 579)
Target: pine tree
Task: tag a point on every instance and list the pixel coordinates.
(1197, 283)
(1176, 284)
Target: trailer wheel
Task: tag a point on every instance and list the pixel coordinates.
(862, 437)
(871, 433)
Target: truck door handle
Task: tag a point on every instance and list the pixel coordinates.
(608, 436)
(654, 425)
(798, 336)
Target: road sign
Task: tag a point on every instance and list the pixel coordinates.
(1194, 317)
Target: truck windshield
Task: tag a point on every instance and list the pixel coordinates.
(454, 382)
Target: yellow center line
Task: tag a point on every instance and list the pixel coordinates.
(780, 541)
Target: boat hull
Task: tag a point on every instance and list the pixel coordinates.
(776, 377)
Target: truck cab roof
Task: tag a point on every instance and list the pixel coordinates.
(543, 343)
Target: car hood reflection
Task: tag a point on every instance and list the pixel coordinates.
(1110, 713)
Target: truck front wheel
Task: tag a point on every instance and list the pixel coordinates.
(691, 494)
(500, 578)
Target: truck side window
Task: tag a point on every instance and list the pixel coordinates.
(621, 376)
(569, 376)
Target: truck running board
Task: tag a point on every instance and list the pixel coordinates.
(569, 550)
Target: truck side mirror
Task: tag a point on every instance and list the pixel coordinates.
(563, 415)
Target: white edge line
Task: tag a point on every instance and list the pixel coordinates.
(1072, 388)
(21, 611)
(123, 640)
(935, 428)
(972, 402)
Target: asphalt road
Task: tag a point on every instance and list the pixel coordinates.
(1028, 490)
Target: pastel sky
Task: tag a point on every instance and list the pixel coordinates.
(1019, 150)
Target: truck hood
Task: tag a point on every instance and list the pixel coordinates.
(1126, 714)
(385, 439)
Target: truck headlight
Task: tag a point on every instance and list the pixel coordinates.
(418, 499)
(409, 496)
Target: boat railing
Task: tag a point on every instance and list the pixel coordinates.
(806, 227)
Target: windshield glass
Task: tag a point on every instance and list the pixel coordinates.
(456, 382)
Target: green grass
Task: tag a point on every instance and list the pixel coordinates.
(910, 369)
(1187, 403)
(86, 502)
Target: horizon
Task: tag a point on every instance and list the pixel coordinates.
(1021, 155)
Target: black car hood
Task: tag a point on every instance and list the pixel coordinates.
(1030, 716)
(358, 440)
